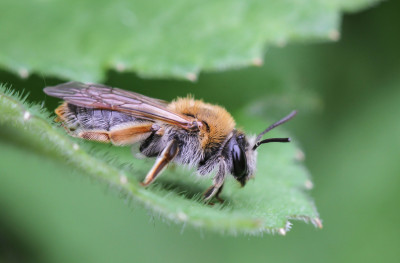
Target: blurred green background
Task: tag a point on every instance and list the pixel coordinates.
(348, 94)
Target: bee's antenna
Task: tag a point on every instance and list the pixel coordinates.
(285, 119)
(270, 140)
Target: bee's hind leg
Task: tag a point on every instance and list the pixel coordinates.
(216, 188)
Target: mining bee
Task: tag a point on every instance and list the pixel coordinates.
(185, 131)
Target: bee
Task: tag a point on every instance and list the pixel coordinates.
(185, 131)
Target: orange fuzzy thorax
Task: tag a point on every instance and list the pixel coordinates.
(218, 123)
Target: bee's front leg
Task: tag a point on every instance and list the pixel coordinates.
(216, 188)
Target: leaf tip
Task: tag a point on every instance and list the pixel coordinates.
(191, 76)
(281, 43)
(23, 73)
(258, 62)
(123, 179)
(120, 67)
(334, 35)
(300, 156)
(308, 185)
(317, 222)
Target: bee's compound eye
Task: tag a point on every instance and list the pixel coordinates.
(239, 161)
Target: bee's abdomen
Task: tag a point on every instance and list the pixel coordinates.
(91, 119)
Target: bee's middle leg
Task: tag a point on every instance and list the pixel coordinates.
(166, 156)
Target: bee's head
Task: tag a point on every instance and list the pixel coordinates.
(241, 151)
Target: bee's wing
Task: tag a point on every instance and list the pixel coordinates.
(104, 97)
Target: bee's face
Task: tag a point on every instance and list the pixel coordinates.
(241, 152)
(241, 157)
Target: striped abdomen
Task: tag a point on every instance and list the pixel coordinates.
(103, 125)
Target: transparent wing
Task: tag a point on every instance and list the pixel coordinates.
(103, 97)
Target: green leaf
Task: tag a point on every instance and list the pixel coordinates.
(266, 204)
(353, 5)
(81, 40)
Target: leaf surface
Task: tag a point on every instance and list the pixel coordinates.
(266, 204)
(81, 40)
